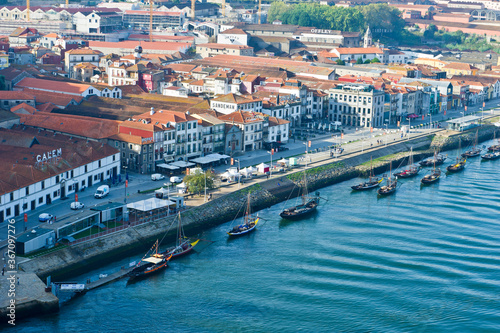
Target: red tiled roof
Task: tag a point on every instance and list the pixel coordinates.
(18, 167)
(167, 116)
(63, 87)
(24, 106)
(131, 45)
(233, 31)
(77, 125)
(46, 107)
(224, 46)
(241, 117)
(59, 99)
(83, 50)
(358, 50)
(460, 66)
(18, 95)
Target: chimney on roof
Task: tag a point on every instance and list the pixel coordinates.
(152, 112)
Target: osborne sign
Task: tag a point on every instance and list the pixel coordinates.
(48, 155)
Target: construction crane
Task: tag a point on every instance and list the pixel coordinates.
(193, 8)
(260, 10)
(150, 20)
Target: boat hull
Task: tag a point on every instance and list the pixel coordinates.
(490, 156)
(386, 191)
(144, 272)
(365, 186)
(243, 232)
(407, 174)
(472, 153)
(184, 249)
(430, 179)
(299, 215)
(456, 167)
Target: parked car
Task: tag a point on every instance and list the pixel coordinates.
(101, 191)
(45, 217)
(77, 205)
(175, 179)
(157, 176)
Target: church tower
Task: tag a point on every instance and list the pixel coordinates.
(367, 40)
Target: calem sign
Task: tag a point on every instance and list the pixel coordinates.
(48, 155)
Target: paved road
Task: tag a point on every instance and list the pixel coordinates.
(354, 140)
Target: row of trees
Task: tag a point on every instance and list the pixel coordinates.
(379, 17)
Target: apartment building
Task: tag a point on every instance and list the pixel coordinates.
(357, 105)
(251, 124)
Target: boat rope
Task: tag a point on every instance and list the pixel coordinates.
(238, 213)
(286, 202)
(168, 229)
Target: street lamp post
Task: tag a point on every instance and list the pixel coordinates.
(271, 166)
(126, 183)
(409, 127)
(205, 199)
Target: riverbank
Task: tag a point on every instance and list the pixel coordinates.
(92, 254)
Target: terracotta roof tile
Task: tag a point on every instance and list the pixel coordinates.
(71, 124)
(58, 99)
(58, 86)
(10, 95)
(24, 106)
(18, 167)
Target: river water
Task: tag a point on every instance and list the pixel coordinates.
(424, 260)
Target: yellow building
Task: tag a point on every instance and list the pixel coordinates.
(4, 60)
(431, 62)
(457, 68)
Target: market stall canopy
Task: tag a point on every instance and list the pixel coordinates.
(149, 204)
(167, 166)
(218, 156)
(205, 160)
(182, 164)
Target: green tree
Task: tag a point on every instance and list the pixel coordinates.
(275, 11)
(359, 60)
(384, 18)
(196, 182)
(430, 31)
(367, 61)
(340, 62)
(375, 60)
(2, 82)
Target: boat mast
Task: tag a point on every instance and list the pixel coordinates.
(179, 231)
(248, 209)
(410, 161)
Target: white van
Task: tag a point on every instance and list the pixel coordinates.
(101, 191)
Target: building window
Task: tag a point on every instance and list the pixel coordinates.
(40, 200)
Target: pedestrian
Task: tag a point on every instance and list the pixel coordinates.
(3, 271)
(55, 218)
(401, 135)
(18, 280)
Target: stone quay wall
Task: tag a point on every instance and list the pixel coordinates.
(94, 253)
